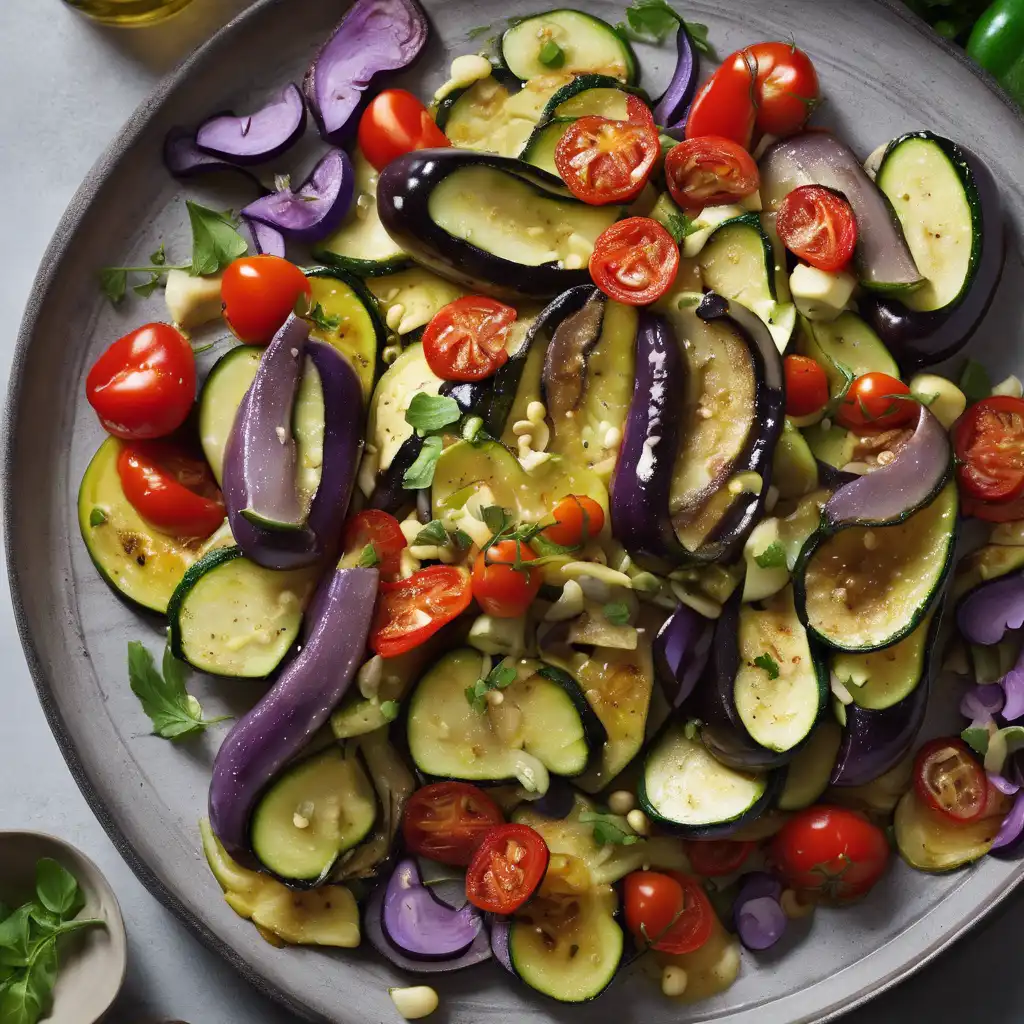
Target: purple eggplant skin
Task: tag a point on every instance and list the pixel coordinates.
(882, 257)
(726, 541)
(897, 490)
(919, 339)
(987, 611)
(263, 239)
(258, 137)
(643, 472)
(681, 650)
(317, 208)
(403, 195)
(374, 37)
(262, 742)
(559, 800)
(421, 926)
(500, 929)
(674, 103)
(184, 159)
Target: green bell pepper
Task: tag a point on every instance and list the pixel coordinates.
(997, 44)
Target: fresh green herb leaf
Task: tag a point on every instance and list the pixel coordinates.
(159, 258)
(421, 473)
(699, 38)
(433, 533)
(147, 288)
(976, 737)
(651, 20)
(551, 54)
(501, 676)
(609, 829)
(427, 413)
(678, 224)
(215, 242)
(369, 559)
(19, 1002)
(543, 546)
(462, 540)
(496, 519)
(769, 664)
(97, 517)
(773, 556)
(617, 613)
(389, 710)
(14, 937)
(172, 711)
(5, 911)
(57, 889)
(114, 283)
(975, 382)
(322, 320)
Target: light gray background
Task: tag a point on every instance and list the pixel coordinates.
(66, 87)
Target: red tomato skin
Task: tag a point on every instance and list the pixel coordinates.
(653, 899)
(473, 815)
(502, 591)
(258, 294)
(646, 249)
(570, 515)
(395, 123)
(871, 392)
(465, 340)
(717, 857)
(806, 385)
(829, 247)
(519, 881)
(154, 491)
(990, 512)
(993, 473)
(949, 744)
(689, 163)
(144, 385)
(786, 87)
(832, 852)
(445, 591)
(383, 530)
(724, 105)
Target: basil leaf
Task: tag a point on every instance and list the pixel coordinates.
(652, 20)
(975, 382)
(421, 473)
(323, 321)
(215, 242)
(699, 37)
(114, 283)
(496, 519)
(369, 558)
(609, 829)
(147, 288)
(433, 533)
(57, 889)
(617, 613)
(427, 413)
(462, 540)
(769, 664)
(14, 937)
(773, 556)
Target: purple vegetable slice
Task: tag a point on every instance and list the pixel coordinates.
(375, 36)
(990, 609)
(258, 137)
(760, 921)
(757, 884)
(681, 650)
(1007, 844)
(184, 159)
(500, 928)
(296, 706)
(674, 103)
(317, 208)
(264, 240)
(882, 258)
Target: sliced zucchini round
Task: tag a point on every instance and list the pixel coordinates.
(683, 787)
(866, 588)
(409, 300)
(539, 149)
(311, 814)
(808, 773)
(567, 41)
(489, 118)
(225, 387)
(140, 563)
(232, 617)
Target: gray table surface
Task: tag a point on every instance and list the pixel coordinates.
(66, 86)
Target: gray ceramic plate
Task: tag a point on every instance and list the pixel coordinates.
(882, 74)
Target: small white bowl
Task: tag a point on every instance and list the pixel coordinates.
(93, 961)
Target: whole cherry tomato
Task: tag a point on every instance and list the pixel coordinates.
(577, 520)
(395, 123)
(715, 857)
(786, 87)
(724, 105)
(259, 293)
(668, 911)
(875, 403)
(502, 589)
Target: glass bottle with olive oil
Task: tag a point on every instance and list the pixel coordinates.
(128, 12)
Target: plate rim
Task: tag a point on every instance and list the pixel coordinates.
(42, 283)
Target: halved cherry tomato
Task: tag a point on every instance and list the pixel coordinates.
(989, 443)
(832, 852)
(724, 106)
(507, 868)
(818, 225)
(714, 857)
(396, 123)
(447, 822)
(949, 780)
(637, 111)
(577, 520)
(634, 261)
(1003, 512)
(412, 610)
(668, 911)
(710, 171)
(383, 531)
(604, 161)
(171, 489)
(874, 403)
(806, 385)
(259, 293)
(786, 87)
(144, 385)
(465, 340)
(501, 590)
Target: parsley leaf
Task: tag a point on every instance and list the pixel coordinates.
(163, 697)
(502, 675)
(699, 38)
(114, 283)
(147, 288)
(617, 613)
(462, 540)
(769, 664)
(975, 382)
(773, 556)
(369, 558)
(421, 473)
(215, 242)
(389, 710)
(651, 20)
(427, 413)
(159, 258)
(496, 519)
(551, 54)
(322, 320)
(433, 533)
(609, 829)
